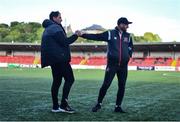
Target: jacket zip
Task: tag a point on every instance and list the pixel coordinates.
(120, 47)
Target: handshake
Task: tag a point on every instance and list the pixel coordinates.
(79, 33)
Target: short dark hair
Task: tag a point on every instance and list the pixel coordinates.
(53, 14)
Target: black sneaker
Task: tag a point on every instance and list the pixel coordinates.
(96, 107)
(119, 109)
(67, 109)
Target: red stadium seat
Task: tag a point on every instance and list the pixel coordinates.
(76, 60)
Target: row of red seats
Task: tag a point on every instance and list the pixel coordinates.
(17, 59)
(133, 61)
(95, 60)
(178, 62)
(89, 61)
(76, 60)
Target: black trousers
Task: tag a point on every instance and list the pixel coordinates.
(59, 71)
(121, 71)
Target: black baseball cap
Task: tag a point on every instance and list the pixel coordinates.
(123, 20)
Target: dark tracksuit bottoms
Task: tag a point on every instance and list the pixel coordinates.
(113, 69)
(59, 71)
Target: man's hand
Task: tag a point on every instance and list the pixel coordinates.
(79, 33)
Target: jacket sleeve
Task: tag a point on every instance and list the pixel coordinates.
(98, 37)
(130, 46)
(63, 40)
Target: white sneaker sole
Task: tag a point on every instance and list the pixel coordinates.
(64, 111)
(55, 111)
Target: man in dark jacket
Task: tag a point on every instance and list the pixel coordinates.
(55, 52)
(120, 47)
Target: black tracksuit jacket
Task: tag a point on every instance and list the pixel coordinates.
(120, 46)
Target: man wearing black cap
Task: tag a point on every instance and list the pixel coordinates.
(120, 47)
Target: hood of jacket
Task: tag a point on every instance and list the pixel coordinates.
(47, 23)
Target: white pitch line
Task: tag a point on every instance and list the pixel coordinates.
(165, 74)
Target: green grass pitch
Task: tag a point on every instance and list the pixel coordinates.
(25, 95)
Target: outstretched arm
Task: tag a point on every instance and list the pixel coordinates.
(99, 37)
(63, 40)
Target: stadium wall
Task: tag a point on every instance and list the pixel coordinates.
(177, 55)
(2, 53)
(87, 50)
(138, 54)
(161, 54)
